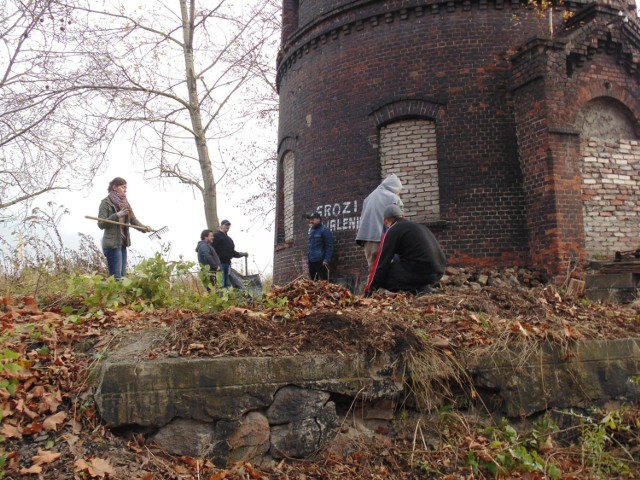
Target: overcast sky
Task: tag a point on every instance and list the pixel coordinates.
(171, 204)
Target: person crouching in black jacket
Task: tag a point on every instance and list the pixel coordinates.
(410, 257)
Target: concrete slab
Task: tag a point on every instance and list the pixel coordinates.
(240, 406)
(152, 392)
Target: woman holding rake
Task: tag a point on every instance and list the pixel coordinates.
(116, 239)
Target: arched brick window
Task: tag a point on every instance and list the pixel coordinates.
(284, 195)
(610, 168)
(285, 191)
(408, 149)
(288, 165)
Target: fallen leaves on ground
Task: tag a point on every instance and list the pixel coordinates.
(336, 320)
(50, 424)
(95, 467)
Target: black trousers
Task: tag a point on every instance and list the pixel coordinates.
(317, 271)
(400, 278)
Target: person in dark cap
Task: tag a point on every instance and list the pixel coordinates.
(226, 250)
(410, 257)
(320, 248)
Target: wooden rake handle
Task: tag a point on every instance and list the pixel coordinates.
(113, 222)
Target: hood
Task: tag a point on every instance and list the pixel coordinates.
(392, 183)
(200, 243)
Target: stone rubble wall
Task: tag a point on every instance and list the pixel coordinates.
(268, 408)
(241, 408)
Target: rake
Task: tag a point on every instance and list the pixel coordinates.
(155, 234)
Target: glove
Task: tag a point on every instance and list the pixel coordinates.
(326, 264)
(149, 229)
(245, 254)
(122, 213)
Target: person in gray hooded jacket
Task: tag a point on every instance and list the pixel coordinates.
(371, 221)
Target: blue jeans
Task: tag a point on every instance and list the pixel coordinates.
(226, 281)
(117, 261)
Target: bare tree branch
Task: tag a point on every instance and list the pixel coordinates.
(50, 138)
(182, 73)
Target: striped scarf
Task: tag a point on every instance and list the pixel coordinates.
(121, 203)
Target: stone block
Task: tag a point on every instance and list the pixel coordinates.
(250, 442)
(186, 437)
(153, 392)
(302, 421)
(613, 280)
(522, 383)
(293, 403)
(611, 295)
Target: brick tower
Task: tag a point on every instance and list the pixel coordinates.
(514, 131)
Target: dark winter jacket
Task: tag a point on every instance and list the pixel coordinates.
(207, 255)
(320, 244)
(416, 248)
(224, 247)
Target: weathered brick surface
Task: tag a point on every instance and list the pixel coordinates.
(507, 151)
(288, 167)
(552, 84)
(408, 149)
(611, 182)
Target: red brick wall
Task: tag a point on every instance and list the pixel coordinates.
(552, 84)
(443, 61)
(290, 18)
(611, 182)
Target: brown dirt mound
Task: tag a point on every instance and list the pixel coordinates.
(321, 317)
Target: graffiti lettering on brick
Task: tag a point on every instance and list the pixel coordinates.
(340, 216)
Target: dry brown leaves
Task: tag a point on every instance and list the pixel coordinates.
(323, 318)
(44, 395)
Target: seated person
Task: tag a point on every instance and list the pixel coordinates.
(410, 258)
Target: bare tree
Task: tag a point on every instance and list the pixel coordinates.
(51, 137)
(182, 75)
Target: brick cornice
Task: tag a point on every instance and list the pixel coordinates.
(311, 36)
(602, 29)
(530, 62)
(596, 30)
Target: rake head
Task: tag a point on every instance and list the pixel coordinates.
(157, 233)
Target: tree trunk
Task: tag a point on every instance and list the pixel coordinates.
(209, 195)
